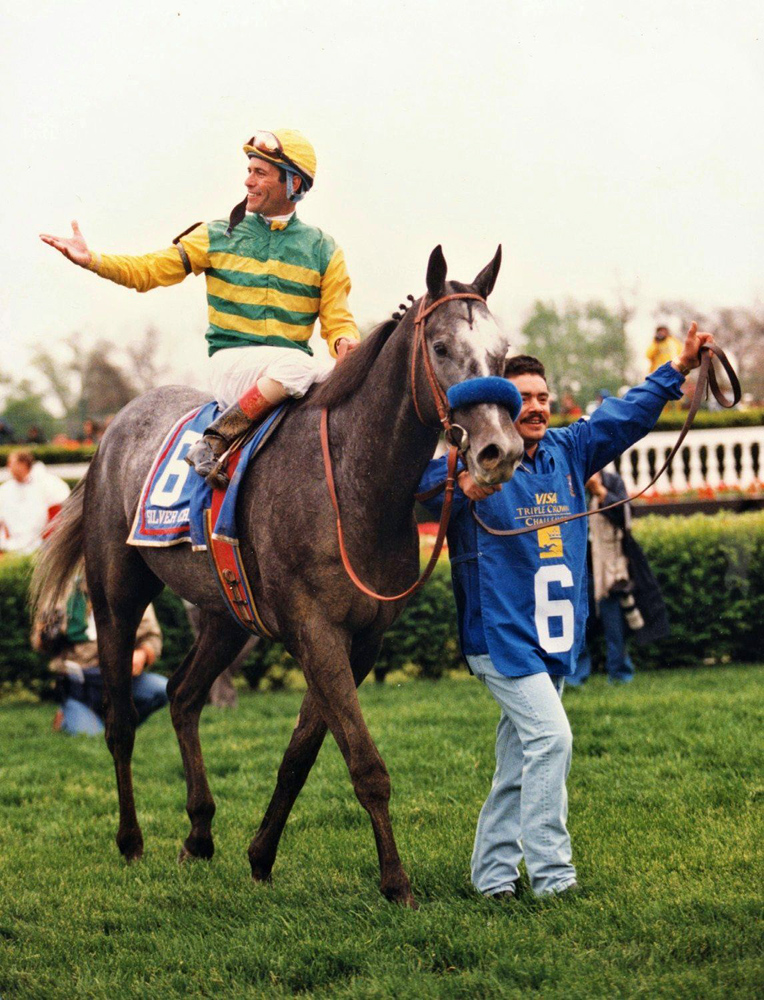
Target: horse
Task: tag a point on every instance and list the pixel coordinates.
(383, 427)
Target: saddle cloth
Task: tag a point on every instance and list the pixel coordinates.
(174, 498)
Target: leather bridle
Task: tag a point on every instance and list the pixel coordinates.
(440, 400)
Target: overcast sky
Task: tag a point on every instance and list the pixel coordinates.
(607, 145)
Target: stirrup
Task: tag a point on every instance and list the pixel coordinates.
(218, 478)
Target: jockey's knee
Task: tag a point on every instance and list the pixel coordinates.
(273, 391)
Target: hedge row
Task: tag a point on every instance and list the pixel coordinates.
(711, 570)
(51, 454)
(704, 419)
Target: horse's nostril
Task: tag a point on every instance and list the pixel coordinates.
(489, 457)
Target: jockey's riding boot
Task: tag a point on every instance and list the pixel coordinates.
(206, 453)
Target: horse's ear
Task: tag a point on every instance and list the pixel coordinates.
(487, 278)
(436, 273)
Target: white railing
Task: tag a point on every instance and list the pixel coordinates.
(730, 455)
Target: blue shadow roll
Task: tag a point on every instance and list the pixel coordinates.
(491, 389)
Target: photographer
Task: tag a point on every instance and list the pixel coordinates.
(80, 688)
(627, 597)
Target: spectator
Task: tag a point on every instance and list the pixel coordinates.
(89, 433)
(28, 501)
(35, 435)
(6, 432)
(626, 595)
(663, 349)
(81, 685)
(569, 407)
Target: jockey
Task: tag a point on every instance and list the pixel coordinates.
(269, 278)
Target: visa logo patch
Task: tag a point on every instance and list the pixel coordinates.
(550, 542)
(542, 498)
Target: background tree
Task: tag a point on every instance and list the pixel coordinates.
(93, 381)
(583, 347)
(24, 408)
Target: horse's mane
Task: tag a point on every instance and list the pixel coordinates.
(349, 376)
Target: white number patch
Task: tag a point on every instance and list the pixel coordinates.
(546, 609)
(170, 486)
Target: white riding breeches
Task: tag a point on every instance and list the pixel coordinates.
(234, 370)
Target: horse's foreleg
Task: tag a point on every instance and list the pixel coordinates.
(304, 746)
(218, 643)
(324, 658)
(300, 756)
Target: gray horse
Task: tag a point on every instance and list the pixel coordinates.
(289, 547)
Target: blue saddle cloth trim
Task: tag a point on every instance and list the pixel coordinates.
(490, 389)
(182, 520)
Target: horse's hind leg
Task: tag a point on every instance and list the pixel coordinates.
(307, 739)
(118, 604)
(324, 657)
(218, 643)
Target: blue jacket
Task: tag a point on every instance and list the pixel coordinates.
(523, 599)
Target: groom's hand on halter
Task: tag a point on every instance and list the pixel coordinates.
(75, 248)
(470, 488)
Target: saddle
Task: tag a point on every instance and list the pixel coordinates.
(176, 505)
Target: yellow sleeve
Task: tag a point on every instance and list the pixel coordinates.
(334, 313)
(165, 267)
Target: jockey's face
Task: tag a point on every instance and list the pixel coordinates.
(533, 420)
(266, 194)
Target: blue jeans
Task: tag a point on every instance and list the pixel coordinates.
(526, 811)
(149, 694)
(618, 663)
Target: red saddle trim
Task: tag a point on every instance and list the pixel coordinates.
(225, 559)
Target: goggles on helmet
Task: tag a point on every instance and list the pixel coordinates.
(270, 144)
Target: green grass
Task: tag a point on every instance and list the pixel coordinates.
(666, 799)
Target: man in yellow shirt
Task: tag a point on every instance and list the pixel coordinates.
(269, 278)
(663, 349)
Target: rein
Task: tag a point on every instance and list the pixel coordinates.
(441, 405)
(706, 380)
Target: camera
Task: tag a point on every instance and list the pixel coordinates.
(625, 594)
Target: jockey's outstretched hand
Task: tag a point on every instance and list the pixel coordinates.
(344, 346)
(470, 488)
(75, 248)
(690, 356)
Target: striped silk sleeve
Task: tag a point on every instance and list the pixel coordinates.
(152, 270)
(334, 313)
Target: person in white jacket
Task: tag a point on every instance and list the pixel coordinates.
(29, 499)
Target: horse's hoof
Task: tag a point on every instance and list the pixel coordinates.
(130, 847)
(402, 895)
(261, 874)
(202, 853)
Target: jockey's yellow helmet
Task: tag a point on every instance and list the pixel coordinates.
(288, 149)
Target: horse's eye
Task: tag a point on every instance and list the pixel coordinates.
(440, 349)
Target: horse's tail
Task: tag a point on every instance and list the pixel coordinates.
(61, 555)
